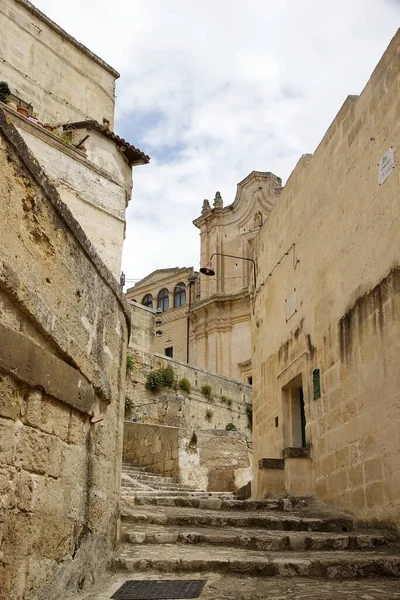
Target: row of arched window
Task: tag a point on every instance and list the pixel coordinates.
(163, 298)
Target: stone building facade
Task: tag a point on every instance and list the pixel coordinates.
(326, 328)
(211, 329)
(72, 92)
(171, 292)
(64, 328)
(220, 319)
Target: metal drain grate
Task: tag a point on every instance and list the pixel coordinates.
(166, 589)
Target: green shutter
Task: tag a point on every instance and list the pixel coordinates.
(316, 384)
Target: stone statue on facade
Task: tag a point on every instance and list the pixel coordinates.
(206, 207)
(218, 203)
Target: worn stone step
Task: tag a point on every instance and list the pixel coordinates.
(138, 493)
(156, 485)
(218, 501)
(329, 565)
(226, 586)
(265, 520)
(255, 539)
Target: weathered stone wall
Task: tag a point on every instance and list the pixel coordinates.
(63, 333)
(210, 460)
(333, 303)
(230, 399)
(96, 196)
(155, 447)
(35, 52)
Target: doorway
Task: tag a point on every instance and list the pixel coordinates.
(294, 416)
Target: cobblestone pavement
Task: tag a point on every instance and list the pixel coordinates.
(221, 587)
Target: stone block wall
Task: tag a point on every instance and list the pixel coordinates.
(230, 400)
(327, 307)
(211, 460)
(155, 447)
(63, 336)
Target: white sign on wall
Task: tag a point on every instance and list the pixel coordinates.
(385, 166)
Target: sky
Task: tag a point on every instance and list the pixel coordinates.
(214, 89)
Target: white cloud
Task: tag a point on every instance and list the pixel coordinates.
(234, 87)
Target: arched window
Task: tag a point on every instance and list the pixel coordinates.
(163, 299)
(180, 295)
(148, 301)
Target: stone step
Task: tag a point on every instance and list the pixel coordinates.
(276, 521)
(255, 539)
(328, 565)
(218, 501)
(160, 485)
(138, 493)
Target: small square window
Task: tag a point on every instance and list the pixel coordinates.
(169, 352)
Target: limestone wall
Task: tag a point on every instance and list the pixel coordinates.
(155, 447)
(96, 197)
(210, 460)
(63, 333)
(228, 403)
(332, 303)
(47, 67)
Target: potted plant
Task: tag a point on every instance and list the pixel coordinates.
(48, 127)
(4, 91)
(22, 110)
(12, 104)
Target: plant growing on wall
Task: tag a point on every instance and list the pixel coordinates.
(4, 91)
(185, 385)
(223, 399)
(206, 390)
(130, 364)
(128, 405)
(209, 414)
(229, 402)
(160, 378)
(249, 415)
(168, 376)
(231, 427)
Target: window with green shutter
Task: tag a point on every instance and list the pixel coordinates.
(316, 384)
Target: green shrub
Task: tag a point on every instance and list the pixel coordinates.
(206, 390)
(223, 399)
(185, 385)
(231, 427)
(128, 404)
(160, 378)
(249, 415)
(154, 381)
(209, 415)
(130, 364)
(168, 376)
(4, 91)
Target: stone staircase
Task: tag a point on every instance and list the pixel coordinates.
(142, 487)
(170, 529)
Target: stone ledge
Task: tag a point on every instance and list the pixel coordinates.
(296, 453)
(271, 463)
(33, 365)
